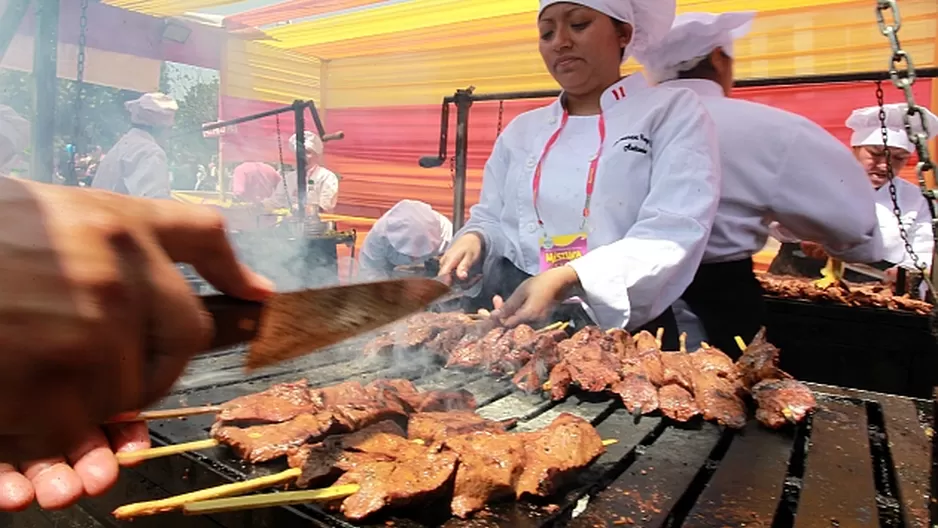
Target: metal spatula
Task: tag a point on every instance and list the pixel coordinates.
(289, 325)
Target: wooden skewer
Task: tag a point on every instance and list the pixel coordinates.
(553, 326)
(141, 509)
(610, 442)
(740, 343)
(704, 345)
(157, 452)
(683, 341)
(659, 335)
(165, 414)
(287, 498)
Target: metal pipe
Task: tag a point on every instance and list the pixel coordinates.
(45, 49)
(244, 119)
(299, 108)
(463, 104)
(10, 22)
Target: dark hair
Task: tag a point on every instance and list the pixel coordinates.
(704, 70)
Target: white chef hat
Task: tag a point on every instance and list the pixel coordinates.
(691, 39)
(311, 141)
(413, 229)
(650, 19)
(153, 109)
(14, 134)
(867, 128)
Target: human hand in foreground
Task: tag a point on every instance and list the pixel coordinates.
(461, 256)
(96, 319)
(536, 297)
(892, 275)
(90, 469)
(814, 250)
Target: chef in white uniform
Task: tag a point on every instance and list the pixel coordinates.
(410, 233)
(322, 191)
(14, 137)
(777, 166)
(609, 192)
(867, 141)
(137, 164)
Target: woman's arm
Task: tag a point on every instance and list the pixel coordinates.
(635, 279)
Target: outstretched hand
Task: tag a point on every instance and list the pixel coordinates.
(535, 299)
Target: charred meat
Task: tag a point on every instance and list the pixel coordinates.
(782, 401)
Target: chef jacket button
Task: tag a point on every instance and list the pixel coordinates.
(531, 162)
(532, 228)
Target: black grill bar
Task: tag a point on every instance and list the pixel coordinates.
(861, 461)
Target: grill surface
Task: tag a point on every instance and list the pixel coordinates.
(862, 460)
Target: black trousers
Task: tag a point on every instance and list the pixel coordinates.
(727, 299)
(503, 278)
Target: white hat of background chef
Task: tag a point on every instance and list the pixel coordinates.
(14, 134)
(311, 141)
(153, 109)
(867, 128)
(692, 38)
(650, 19)
(413, 229)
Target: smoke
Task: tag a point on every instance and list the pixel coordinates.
(290, 260)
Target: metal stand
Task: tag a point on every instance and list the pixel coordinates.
(463, 100)
(45, 49)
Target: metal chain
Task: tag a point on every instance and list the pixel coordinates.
(283, 177)
(79, 92)
(501, 113)
(919, 139)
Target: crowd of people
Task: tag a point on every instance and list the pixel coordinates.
(636, 202)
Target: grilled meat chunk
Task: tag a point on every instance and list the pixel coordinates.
(589, 366)
(782, 401)
(713, 360)
(676, 403)
(433, 427)
(475, 353)
(717, 400)
(261, 443)
(489, 467)
(759, 362)
(677, 369)
(556, 452)
(279, 403)
(638, 394)
(297, 457)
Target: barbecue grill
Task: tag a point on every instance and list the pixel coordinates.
(867, 465)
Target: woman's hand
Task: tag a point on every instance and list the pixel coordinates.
(91, 469)
(536, 297)
(462, 255)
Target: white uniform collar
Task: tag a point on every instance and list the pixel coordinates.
(702, 87)
(613, 95)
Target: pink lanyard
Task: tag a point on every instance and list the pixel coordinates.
(591, 175)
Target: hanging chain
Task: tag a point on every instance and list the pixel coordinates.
(501, 114)
(283, 177)
(919, 139)
(79, 93)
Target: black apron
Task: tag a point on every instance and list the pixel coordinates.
(503, 278)
(727, 299)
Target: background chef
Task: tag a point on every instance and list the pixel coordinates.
(137, 164)
(776, 166)
(624, 174)
(323, 185)
(410, 233)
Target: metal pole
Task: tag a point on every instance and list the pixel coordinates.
(463, 101)
(10, 22)
(45, 49)
(299, 108)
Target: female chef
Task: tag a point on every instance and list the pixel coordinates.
(870, 151)
(608, 193)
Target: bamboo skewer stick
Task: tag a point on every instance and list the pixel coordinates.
(268, 500)
(141, 509)
(659, 335)
(157, 452)
(682, 339)
(165, 414)
(552, 326)
(740, 343)
(610, 442)
(704, 345)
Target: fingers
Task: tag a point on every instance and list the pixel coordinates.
(95, 464)
(448, 264)
(462, 269)
(57, 485)
(498, 302)
(16, 491)
(196, 235)
(128, 437)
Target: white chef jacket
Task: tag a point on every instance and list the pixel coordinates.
(779, 166)
(322, 190)
(915, 217)
(378, 256)
(655, 197)
(136, 165)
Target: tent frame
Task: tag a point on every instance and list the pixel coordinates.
(464, 98)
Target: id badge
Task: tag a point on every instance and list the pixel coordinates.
(559, 250)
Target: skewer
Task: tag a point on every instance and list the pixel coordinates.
(157, 452)
(683, 341)
(610, 442)
(659, 335)
(740, 343)
(164, 414)
(553, 326)
(168, 504)
(287, 498)
(704, 345)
